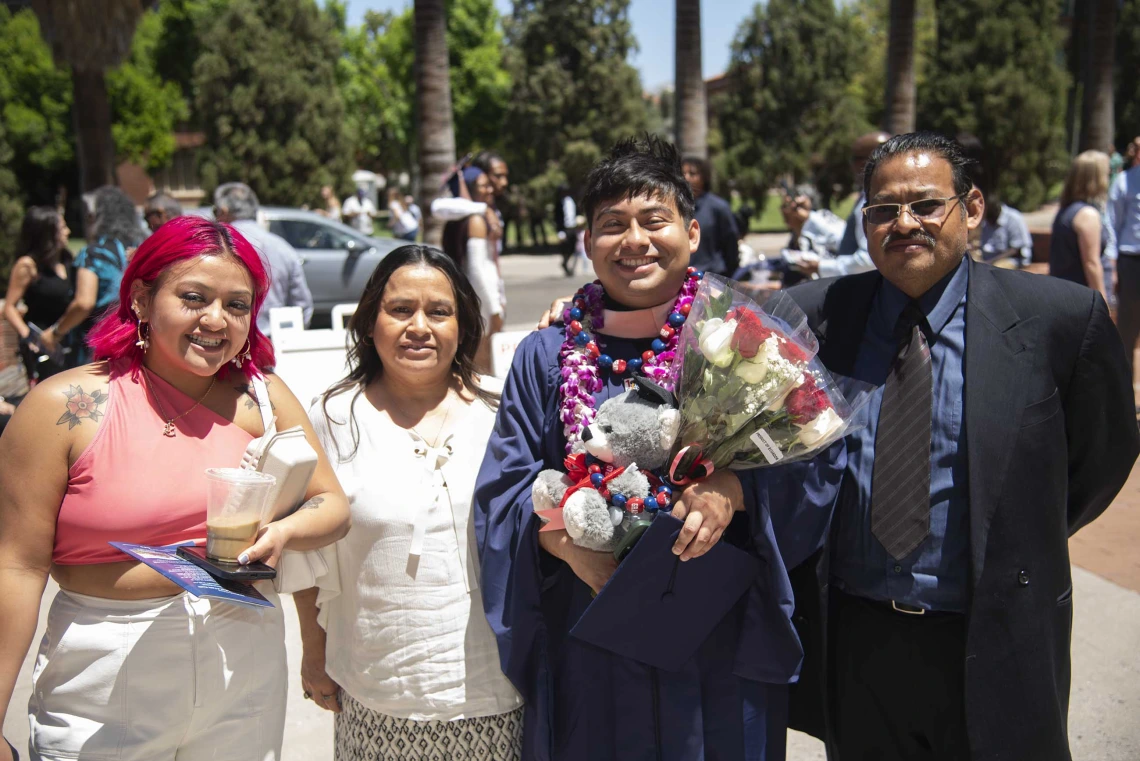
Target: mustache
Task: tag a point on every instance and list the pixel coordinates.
(917, 235)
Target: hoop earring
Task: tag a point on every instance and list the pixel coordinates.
(243, 355)
(144, 341)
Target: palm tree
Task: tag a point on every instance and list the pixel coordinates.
(435, 128)
(91, 36)
(691, 114)
(898, 116)
(1097, 125)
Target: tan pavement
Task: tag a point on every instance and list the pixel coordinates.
(1103, 719)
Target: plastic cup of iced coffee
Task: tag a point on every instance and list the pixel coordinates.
(236, 504)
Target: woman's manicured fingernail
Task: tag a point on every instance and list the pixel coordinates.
(243, 559)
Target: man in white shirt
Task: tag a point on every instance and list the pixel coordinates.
(414, 209)
(358, 211)
(813, 229)
(852, 256)
(236, 204)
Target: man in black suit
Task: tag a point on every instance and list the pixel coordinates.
(936, 623)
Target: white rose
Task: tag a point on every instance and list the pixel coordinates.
(716, 341)
(753, 370)
(778, 402)
(824, 425)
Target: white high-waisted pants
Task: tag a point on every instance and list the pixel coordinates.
(168, 679)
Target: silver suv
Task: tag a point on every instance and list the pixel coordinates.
(337, 260)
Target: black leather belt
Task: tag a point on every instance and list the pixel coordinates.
(899, 608)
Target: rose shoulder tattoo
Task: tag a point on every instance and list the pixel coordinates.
(82, 406)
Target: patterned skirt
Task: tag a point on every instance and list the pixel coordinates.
(362, 734)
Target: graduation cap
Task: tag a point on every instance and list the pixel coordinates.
(649, 391)
(657, 610)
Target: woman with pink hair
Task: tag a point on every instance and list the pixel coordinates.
(132, 667)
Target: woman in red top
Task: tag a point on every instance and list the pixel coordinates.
(132, 667)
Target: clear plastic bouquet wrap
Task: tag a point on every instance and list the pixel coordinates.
(747, 385)
(813, 414)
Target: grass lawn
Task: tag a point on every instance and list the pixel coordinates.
(512, 235)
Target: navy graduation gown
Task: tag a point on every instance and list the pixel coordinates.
(582, 702)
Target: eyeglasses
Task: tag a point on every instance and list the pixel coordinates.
(926, 210)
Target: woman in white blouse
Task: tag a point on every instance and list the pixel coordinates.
(394, 636)
(473, 242)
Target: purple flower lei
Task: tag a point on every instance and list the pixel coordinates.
(581, 377)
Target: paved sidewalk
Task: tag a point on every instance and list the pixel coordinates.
(1105, 700)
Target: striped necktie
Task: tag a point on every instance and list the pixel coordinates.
(900, 486)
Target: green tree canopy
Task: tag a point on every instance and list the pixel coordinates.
(790, 109)
(1125, 77)
(35, 108)
(1000, 77)
(179, 41)
(376, 78)
(266, 92)
(870, 22)
(11, 210)
(573, 87)
(36, 98)
(146, 108)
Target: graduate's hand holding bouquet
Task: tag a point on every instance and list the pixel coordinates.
(707, 508)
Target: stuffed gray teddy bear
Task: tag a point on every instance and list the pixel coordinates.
(634, 430)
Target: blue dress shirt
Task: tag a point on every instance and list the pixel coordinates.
(1009, 232)
(935, 575)
(1123, 212)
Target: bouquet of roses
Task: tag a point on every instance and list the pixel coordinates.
(735, 360)
(747, 383)
(817, 411)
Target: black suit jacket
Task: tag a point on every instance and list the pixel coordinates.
(1051, 436)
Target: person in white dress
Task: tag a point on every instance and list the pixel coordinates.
(395, 640)
(405, 225)
(359, 211)
(473, 242)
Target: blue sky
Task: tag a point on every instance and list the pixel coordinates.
(653, 27)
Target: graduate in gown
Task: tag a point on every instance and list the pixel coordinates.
(727, 701)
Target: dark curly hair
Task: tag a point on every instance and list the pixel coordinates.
(646, 166)
(113, 217)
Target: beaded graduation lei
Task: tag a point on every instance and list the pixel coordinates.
(582, 360)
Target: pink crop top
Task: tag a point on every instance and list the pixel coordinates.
(132, 484)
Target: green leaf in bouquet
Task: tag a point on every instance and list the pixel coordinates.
(737, 419)
(719, 306)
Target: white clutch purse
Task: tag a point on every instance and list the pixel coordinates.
(285, 455)
(290, 459)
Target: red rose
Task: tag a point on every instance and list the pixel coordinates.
(806, 402)
(750, 333)
(792, 352)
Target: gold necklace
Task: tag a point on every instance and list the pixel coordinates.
(438, 433)
(168, 429)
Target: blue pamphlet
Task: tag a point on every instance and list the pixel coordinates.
(190, 577)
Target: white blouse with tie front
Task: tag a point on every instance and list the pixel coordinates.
(402, 608)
